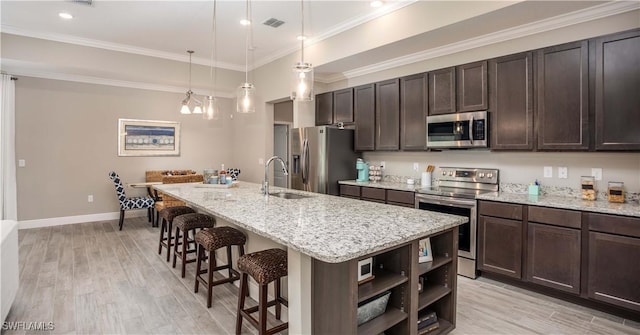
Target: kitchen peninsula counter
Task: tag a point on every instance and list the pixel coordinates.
(328, 232)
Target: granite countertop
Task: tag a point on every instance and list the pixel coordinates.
(329, 228)
(629, 208)
(597, 206)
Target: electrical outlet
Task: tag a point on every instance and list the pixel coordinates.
(260, 161)
(90, 198)
(548, 172)
(383, 164)
(416, 166)
(21, 163)
(597, 173)
(563, 172)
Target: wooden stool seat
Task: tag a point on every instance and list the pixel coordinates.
(167, 215)
(188, 223)
(264, 267)
(208, 240)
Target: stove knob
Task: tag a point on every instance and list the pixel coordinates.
(489, 175)
(481, 174)
(450, 173)
(444, 173)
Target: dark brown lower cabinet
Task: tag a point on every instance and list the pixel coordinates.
(553, 257)
(614, 266)
(500, 246)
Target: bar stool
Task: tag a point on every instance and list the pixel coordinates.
(167, 215)
(208, 240)
(188, 223)
(264, 267)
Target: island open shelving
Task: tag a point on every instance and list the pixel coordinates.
(338, 294)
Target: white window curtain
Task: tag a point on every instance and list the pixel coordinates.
(8, 194)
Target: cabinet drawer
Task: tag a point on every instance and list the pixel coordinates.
(502, 210)
(350, 190)
(403, 197)
(556, 217)
(619, 225)
(373, 193)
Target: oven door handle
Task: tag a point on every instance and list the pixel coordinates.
(444, 202)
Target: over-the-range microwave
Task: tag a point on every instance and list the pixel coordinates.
(458, 130)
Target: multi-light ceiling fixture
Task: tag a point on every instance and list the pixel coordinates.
(190, 104)
(302, 75)
(245, 95)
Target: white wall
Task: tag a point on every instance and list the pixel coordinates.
(521, 167)
(67, 133)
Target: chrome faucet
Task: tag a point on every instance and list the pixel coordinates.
(265, 182)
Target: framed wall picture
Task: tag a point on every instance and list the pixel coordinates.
(424, 251)
(148, 138)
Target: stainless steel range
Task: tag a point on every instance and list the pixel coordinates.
(455, 193)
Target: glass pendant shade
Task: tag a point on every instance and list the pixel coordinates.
(302, 82)
(245, 100)
(210, 111)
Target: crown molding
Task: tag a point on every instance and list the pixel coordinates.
(18, 68)
(87, 42)
(557, 22)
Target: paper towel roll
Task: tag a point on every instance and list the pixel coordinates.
(425, 180)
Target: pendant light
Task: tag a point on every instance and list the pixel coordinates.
(190, 99)
(245, 95)
(302, 75)
(211, 111)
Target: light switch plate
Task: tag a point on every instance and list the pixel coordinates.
(383, 164)
(416, 166)
(21, 163)
(90, 198)
(597, 173)
(563, 172)
(260, 161)
(548, 171)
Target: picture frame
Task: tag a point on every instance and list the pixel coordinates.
(365, 270)
(148, 138)
(424, 251)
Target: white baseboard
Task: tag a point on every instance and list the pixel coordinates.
(59, 221)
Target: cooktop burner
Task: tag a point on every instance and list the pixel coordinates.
(463, 182)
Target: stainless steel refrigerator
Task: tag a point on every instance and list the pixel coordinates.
(320, 157)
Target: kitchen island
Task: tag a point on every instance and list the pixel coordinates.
(325, 236)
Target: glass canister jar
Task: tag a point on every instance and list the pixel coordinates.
(209, 175)
(588, 187)
(615, 192)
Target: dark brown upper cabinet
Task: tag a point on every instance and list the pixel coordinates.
(343, 105)
(472, 87)
(413, 112)
(334, 107)
(617, 87)
(324, 108)
(511, 96)
(442, 91)
(562, 115)
(364, 104)
(388, 115)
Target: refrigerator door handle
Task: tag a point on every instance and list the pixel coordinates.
(305, 161)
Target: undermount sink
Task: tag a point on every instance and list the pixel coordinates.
(287, 195)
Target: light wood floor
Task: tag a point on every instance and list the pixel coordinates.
(91, 278)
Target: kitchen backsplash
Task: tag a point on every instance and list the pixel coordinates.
(519, 169)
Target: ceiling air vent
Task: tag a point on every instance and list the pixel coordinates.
(273, 22)
(82, 2)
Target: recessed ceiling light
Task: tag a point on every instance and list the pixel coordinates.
(65, 15)
(245, 22)
(376, 3)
